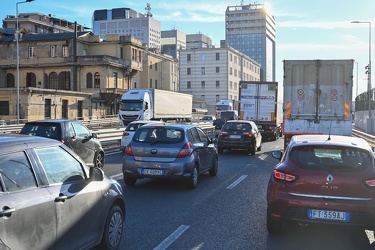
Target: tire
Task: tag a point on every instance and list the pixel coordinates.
(260, 147)
(99, 160)
(130, 181)
(273, 226)
(114, 228)
(193, 179)
(220, 150)
(253, 148)
(214, 168)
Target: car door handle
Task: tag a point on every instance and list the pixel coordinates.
(7, 211)
(61, 198)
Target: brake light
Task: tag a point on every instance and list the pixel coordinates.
(283, 176)
(287, 139)
(125, 133)
(223, 133)
(185, 150)
(128, 150)
(248, 134)
(370, 183)
(272, 128)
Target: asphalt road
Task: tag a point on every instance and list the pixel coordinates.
(224, 212)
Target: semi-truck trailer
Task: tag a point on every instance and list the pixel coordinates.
(155, 104)
(317, 97)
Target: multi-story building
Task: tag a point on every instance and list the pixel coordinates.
(212, 74)
(194, 41)
(159, 72)
(41, 23)
(66, 76)
(172, 41)
(251, 30)
(125, 21)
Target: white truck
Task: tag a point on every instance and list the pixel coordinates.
(225, 105)
(258, 103)
(155, 104)
(317, 97)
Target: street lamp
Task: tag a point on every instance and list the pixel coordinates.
(368, 72)
(17, 35)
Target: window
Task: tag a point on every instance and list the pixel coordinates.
(188, 71)
(203, 84)
(81, 131)
(188, 85)
(231, 85)
(217, 98)
(115, 80)
(235, 72)
(16, 172)
(30, 79)
(31, 52)
(217, 69)
(4, 108)
(156, 66)
(53, 80)
(150, 64)
(47, 108)
(150, 84)
(53, 49)
(96, 80)
(64, 109)
(156, 84)
(188, 57)
(64, 80)
(217, 84)
(230, 71)
(89, 80)
(217, 56)
(65, 50)
(62, 167)
(10, 80)
(203, 70)
(203, 56)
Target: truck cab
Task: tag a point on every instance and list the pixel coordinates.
(135, 105)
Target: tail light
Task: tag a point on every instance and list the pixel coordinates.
(125, 133)
(283, 176)
(370, 183)
(272, 128)
(128, 150)
(287, 139)
(248, 134)
(185, 150)
(223, 133)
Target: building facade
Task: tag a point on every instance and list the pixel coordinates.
(194, 41)
(66, 75)
(125, 22)
(41, 23)
(212, 74)
(172, 41)
(251, 30)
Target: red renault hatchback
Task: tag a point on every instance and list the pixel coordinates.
(322, 179)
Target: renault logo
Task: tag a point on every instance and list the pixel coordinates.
(329, 178)
(153, 151)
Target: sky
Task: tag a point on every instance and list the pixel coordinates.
(305, 29)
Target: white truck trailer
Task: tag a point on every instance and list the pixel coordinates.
(155, 104)
(317, 97)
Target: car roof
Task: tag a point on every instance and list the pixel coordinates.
(170, 125)
(53, 121)
(239, 121)
(339, 140)
(25, 141)
(144, 122)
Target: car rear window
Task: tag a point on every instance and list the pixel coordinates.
(330, 158)
(159, 135)
(237, 126)
(133, 127)
(42, 129)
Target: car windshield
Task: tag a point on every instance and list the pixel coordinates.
(331, 158)
(158, 135)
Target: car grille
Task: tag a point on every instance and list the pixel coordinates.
(356, 218)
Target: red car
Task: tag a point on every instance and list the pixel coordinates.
(322, 179)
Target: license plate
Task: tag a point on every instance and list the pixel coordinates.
(329, 215)
(153, 171)
(235, 136)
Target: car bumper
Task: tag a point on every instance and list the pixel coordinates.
(289, 208)
(235, 145)
(179, 169)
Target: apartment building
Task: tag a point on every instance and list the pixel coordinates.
(41, 23)
(126, 21)
(172, 41)
(251, 30)
(212, 74)
(64, 75)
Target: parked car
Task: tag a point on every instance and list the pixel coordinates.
(322, 179)
(169, 151)
(129, 131)
(239, 135)
(73, 134)
(51, 199)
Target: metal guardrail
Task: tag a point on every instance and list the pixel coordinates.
(367, 137)
(108, 131)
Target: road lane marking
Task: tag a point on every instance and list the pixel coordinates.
(263, 157)
(236, 182)
(116, 175)
(171, 238)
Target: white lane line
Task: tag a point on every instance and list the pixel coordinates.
(236, 182)
(171, 238)
(263, 157)
(116, 175)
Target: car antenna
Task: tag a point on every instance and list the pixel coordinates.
(329, 134)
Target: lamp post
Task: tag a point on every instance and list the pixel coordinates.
(368, 72)
(17, 35)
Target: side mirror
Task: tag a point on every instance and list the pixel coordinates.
(213, 140)
(277, 154)
(94, 135)
(96, 174)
